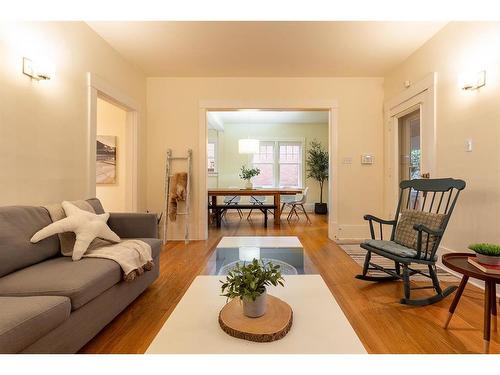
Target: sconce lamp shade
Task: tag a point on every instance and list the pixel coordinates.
(472, 80)
(40, 69)
(248, 146)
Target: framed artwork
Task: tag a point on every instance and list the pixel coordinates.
(106, 159)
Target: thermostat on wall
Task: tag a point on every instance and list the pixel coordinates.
(367, 159)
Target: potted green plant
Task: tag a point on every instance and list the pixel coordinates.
(487, 253)
(317, 169)
(248, 282)
(247, 174)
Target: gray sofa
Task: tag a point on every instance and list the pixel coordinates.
(50, 304)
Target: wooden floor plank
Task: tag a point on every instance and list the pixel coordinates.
(383, 325)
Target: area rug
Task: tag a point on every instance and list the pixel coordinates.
(319, 324)
(358, 255)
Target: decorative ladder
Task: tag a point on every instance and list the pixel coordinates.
(168, 175)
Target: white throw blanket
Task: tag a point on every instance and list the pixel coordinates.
(133, 256)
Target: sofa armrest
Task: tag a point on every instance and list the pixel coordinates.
(133, 225)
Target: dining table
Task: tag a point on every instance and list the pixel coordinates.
(276, 193)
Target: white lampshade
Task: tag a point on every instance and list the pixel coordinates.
(248, 146)
(248, 253)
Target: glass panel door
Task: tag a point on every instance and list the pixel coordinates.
(410, 152)
(409, 146)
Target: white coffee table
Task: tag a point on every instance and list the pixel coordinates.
(319, 325)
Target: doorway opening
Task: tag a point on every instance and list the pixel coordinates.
(112, 167)
(284, 139)
(111, 156)
(411, 138)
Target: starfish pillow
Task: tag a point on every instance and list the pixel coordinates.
(86, 225)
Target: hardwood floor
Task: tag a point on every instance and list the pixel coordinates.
(383, 325)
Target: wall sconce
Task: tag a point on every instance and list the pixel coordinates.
(248, 146)
(38, 69)
(473, 80)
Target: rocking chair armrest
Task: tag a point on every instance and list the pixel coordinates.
(422, 228)
(371, 219)
(378, 220)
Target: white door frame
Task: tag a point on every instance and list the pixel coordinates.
(214, 105)
(97, 87)
(421, 95)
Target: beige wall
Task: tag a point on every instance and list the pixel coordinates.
(112, 120)
(43, 125)
(230, 160)
(173, 121)
(462, 115)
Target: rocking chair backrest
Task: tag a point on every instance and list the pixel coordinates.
(437, 195)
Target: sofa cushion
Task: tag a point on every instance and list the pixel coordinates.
(24, 320)
(17, 225)
(96, 205)
(80, 281)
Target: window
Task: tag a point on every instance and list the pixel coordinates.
(264, 160)
(290, 164)
(212, 157)
(280, 164)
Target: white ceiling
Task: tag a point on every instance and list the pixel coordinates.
(219, 119)
(266, 49)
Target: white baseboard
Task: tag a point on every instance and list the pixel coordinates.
(309, 207)
(350, 234)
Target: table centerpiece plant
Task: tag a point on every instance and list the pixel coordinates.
(248, 282)
(487, 253)
(247, 174)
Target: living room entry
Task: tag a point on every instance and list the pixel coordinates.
(267, 164)
(111, 155)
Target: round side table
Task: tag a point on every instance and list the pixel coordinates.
(459, 262)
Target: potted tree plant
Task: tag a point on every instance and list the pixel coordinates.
(248, 282)
(487, 253)
(247, 174)
(317, 169)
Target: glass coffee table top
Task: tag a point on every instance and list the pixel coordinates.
(284, 251)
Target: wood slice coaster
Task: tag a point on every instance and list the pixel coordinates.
(271, 326)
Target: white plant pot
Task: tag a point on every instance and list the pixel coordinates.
(254, 309)
(248, 184)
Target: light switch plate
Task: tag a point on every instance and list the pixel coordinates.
(347, 160)
(468, 145)
(367, 159)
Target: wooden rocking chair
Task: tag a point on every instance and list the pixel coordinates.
(427, 200)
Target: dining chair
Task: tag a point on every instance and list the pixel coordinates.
(232, 200)
(287, 198)
(298, 203)
(258, 200)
